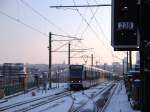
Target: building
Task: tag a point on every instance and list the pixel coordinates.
(14, 77)
(117, 68)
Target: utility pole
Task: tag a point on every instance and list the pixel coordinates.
(144, 38)
(91, 59)
(69, 53)
(130, 59)
(104, 66)
(96, 63)
(50, 52)
(50, 59)
(123, 66)
(127, 61)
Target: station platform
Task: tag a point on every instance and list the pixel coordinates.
(119, 101)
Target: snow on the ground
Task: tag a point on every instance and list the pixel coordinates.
(89, 107)
(61, 105)
(39, 93)
(79, 99)
(95, 90)
(119, 101)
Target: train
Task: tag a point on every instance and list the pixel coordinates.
(82, 77)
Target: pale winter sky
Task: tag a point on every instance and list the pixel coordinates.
(21, 42)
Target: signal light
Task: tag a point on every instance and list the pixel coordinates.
(124, 24)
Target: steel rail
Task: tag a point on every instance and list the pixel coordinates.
(4, 108)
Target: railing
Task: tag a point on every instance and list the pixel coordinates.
(9, 89)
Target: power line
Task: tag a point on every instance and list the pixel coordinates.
(82, 15)
(66, 36)
(89, 22)
(35, 11)
(78, 28)
(102, 30)
(89, 25)
(28, 26)
(83, 49)
(32, 28)
(21, 22)
(61, 46)
(98, 24)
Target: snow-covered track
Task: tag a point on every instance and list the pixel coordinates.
(80, 108)
(33, 103)
(108, 100)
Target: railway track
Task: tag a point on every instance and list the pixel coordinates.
(28, 105)
(33, 103)
(108, 100)
(80, 108)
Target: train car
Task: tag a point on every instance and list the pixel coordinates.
(82, 76)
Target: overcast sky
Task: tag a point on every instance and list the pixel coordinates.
(19, 42)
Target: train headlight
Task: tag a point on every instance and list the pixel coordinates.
(79, 81)
(71, 81)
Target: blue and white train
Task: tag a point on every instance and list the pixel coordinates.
(82, 76)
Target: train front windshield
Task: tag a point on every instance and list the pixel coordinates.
(76, 71)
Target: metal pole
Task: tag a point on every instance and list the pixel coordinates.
(104, 66)
(50, 58)
(69, 53)
(127, 61)
(143, 89)
(130, 59)
(91, 59)
(123, 67)
(72, 6)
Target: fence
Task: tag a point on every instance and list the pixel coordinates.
(9, 87)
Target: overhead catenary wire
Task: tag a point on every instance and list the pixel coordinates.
(29, 26)
(60, 47)
(66, 36)
(83, 18)
(23, 23)
(101, 28)
(42, 16)
(78, 28)
(96, 35)
(46, 19)
(37, 30)
(98, 24)
(89, 22)
(97, 5)
(75, 6)
(88, 25)
(33, 28)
